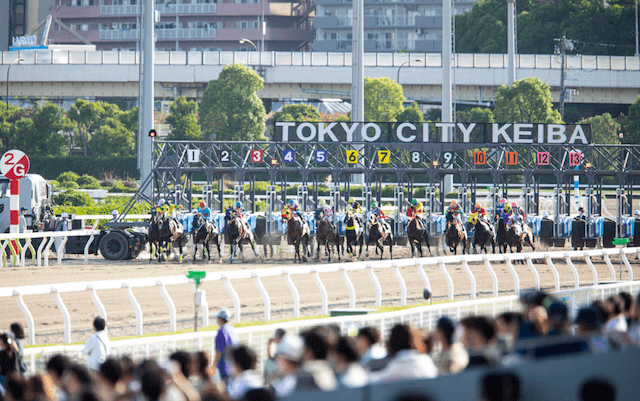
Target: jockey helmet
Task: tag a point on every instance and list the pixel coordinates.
(637, 213)
(414, 201)
(453, 203)
(503, 201)
(161, 202)
(321, 202)
(64, 215)
(374, 205)
(115, 212)
(238, 204)
(514, 205)
(194, 211)
(520, 210)
(202, 204)
(292, 202)
(351, 200)
(478, 206)
(507, 208)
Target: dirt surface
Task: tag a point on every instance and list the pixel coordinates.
(121, 317)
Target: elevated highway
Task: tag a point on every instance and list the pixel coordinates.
(63, 74)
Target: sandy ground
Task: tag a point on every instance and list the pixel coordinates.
(121, 317)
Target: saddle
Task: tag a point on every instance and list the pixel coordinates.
(176, 229)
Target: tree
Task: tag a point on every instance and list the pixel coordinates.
(85, 114)
(129, 119)
(632, 124)
(42, 134)
(433, 114)
(298, 112)
(383, 100)
(112, 139)
(604, 128)
(475, 115)
(411, 114)
(525, 101)
(183, 120)
(231, 109)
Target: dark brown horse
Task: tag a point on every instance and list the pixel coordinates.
(455, 234)
(354, 233)
(328, 236)
(153, 236)
(204, 232)
(417, 233)
(297, 233)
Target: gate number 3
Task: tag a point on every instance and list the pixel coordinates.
(256, 155)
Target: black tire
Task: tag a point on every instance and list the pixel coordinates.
(114, 246)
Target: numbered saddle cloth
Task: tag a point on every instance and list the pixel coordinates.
(517, 227)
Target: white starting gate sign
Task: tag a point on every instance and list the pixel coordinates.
(193, 155)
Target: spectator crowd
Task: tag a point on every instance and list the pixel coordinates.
(322, 359)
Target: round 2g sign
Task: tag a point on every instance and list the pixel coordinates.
(14, 164)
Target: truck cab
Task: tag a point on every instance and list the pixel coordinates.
(35, 195)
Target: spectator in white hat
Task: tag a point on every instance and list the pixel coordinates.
(224, 339)
(289, 358)
(114, 215)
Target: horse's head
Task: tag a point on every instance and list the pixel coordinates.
(373, 219)
(286, 213)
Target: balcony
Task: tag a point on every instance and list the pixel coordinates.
(374, 21)
(171, 9)
(161, 34)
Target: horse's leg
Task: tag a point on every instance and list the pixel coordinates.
(195, 251)
(390, 247)
(232, 250)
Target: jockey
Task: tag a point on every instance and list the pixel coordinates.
(377, 211)
(482, 214)
(353, 206)
(456, 211)
(204, 210)
(325, 210)
(506, 213)
(293, 207)
(240, 211)
(522, 214)
(637, 214)
(415, 209)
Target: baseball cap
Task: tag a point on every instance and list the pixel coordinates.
(223, 314)
(290, 347)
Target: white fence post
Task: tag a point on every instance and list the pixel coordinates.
(323, 291)
(610, 265)
(350, 287)
(376, 285)
(472, 278)
(556, 277)
(447, 277)
(65, 315)
(492, 273)
(265, 297)
(626, 262)
(47, 249)
(2, 252)
(536, 276)
(423, 276)
(403, 285)
(573, 269)
(516, 279)
(86, 248)
(294, 292)
(204, 305)
(27, 314)
(136, 307)
(172, 307)
(234, 297)
(23, 254)
(587, 259)
(60, 251)
(97, 302)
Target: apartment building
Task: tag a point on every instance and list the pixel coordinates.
(389, 25)
(185, 25)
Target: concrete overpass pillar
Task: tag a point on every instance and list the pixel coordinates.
(147, 102)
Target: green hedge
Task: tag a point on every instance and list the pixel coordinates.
(51, 167)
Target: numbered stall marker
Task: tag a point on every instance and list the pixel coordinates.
(193, 155)
(321, 156)
(512, 158)
(352, 156)
(256, 155)
(288, 155)
(543, 158)
(415, 157)
(384, 156)
(479, 157)
(225, 156)
(574, 158)
(448, 156)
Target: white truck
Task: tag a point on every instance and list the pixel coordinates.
(35, 195)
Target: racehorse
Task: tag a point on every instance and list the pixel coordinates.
(354, 233)
(204, 232)
(416, 234)
(153, 236)
(484, 235)
(518, 235)
(455, 234)
(379, 232)
(171, 230)
(328, 236)
(236, 232)
(298, 232)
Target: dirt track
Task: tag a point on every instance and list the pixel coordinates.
(121, 318)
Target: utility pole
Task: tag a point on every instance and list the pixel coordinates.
(511, 40)
(637, 43)
(565, 44)
(357, 76)
(447, 85)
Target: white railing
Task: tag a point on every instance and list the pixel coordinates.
(314, 59)
(315, 270)
(170, 9)
(257, 337)
(576, 298)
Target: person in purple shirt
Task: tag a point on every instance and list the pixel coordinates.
(224, 339)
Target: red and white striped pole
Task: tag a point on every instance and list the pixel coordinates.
(14, 165)
(14, 206)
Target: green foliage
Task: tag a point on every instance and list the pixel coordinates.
(119, 187)
(41, 133)
(112, 139)
(484, 29)
(183, 121)
(55, 185)
(383, 100)
(72, 198)
(632, 124)
(525, 101)
(68, 176)
(605, 129)
(433, 114)
(50, 167)
(411, 114)
(69, 185)
(129, 119)
(88, 182)
(231, 109)
(475, 115)
(110, 203)
(298, 112)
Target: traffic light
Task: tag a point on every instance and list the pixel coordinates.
(152, 133)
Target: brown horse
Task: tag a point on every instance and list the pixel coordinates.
(455, 234)
(298, 232)
(379, 232)
(354, 233)
(417, 233)
(518, 235)
(328, 236)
